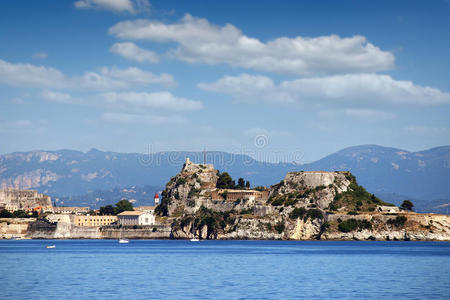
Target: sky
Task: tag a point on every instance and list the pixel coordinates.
(277, 80)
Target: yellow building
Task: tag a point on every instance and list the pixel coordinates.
(94, 221)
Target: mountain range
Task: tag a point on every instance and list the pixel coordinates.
(390, 173)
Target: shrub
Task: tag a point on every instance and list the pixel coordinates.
(398, 221)
(298, 212)
(290, 202)
(279, 227)
(278, 201)
(314, 214)
(247, 211)
(237, 201)
(5, 214)
(353, 224)
(352, 213)
(193, 192)
(408, 205)
(364, 224)
(348, 225)
(181, 181)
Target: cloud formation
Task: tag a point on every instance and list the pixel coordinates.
(128, 118)
(358, 89)
(202, 42)
(358, 114)
(132, 52)
(32, 76)
(117, 6)
(149, 102)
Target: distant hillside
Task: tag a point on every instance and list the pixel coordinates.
(423, 175)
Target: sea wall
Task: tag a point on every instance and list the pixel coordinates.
(42, 229)
(140, 232)
(14, 228)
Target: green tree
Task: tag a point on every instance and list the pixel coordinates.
(107, 210)
(124, 205)
(408, 205)
(241, 183)
(20, 214)
(225, 181)
(247, 184)
(5, 214)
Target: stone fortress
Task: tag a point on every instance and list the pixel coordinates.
(27, 200)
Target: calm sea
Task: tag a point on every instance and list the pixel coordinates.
(100, 269)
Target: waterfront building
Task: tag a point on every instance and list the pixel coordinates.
(94, 221)
(77, 210)
(136, 218)
(149, 209)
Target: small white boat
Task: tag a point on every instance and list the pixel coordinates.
(195, 240)
(50, 246)
(123, 241)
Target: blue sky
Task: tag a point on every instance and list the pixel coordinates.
(293, 81)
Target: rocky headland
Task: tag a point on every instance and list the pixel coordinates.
(200, 202)
(303, 206)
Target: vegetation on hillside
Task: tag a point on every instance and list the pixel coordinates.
(356, 199)
(353, 224)
(225, 181)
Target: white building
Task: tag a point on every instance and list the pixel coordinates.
(136, 218)
(388, 209)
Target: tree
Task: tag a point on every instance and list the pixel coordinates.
(124, 205)
(20, 214)
(107, 210)
(241, 183)
(247, 184)
(5, 214)
(225, 181)
(408, 205)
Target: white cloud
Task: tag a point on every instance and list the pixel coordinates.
(358, 89)
(137, 76)
(149, 102)
(358, 114)
(117, 6)
(127, 118)
(249, 87)
(28, 75)
(23, 126)
(32, 76)
(133, 52)
(57, 97)
(202, 42)
(40, 55)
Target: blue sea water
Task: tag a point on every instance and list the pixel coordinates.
(100, 269)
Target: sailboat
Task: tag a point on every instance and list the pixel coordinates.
(122, 240)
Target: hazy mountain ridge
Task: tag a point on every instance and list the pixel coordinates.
(418, 175)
